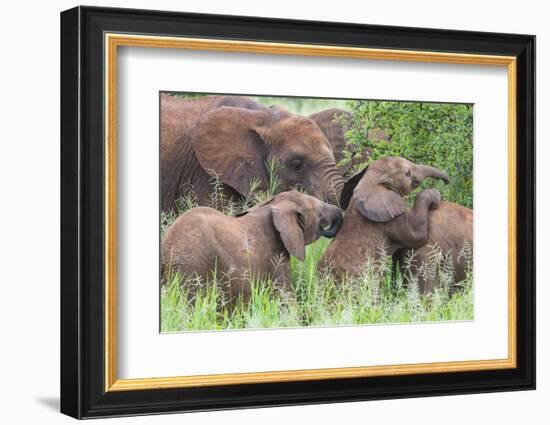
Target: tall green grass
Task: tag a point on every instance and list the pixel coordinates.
(318, 300)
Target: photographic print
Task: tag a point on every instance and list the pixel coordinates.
(283, 212)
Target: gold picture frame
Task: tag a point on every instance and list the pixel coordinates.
(114, 41)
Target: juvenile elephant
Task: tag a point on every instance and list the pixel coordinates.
(450, 231)
(257, 244)
(232, 139)
(378, 221)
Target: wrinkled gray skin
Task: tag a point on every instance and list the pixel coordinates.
(257, 244)
(232, 138)
(450, 227)
(378, 221)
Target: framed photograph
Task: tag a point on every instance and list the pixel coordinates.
(261, 212)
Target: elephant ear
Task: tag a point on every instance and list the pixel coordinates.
(289, 223)
(349, 187)
(229, 146)
(379, 203)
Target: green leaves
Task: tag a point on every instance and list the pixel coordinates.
(437, 134)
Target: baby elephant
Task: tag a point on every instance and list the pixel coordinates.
(258, 244)
(378, 221)
(450, 231)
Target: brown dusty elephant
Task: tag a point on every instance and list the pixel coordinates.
(256, 244)
(378, 221)
(334, 123)
(450, 233)
(233, 139)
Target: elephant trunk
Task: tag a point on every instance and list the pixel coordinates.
(425, 171)
(331, 222)
(331, 184)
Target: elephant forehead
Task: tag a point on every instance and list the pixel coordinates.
(300, 126)
(303, 199)
(390, 163)
(308, 145)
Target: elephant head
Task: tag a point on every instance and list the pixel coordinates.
(236, 145)
(378, 190)
(301, 219)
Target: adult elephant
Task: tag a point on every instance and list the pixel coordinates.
(378, 220)
(231, 140)
(450, 243)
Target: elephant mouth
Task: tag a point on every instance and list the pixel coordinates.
(331, 229)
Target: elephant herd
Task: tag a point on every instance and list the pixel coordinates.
(231, 139)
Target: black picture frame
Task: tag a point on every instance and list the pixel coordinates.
(83, 392)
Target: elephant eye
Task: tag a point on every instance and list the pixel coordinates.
(408, 172)
(297, 164)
